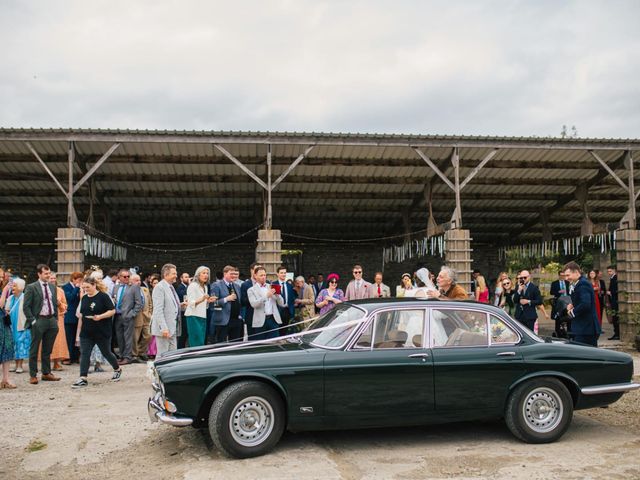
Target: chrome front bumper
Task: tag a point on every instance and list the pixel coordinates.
(157, 412)
(613, 388)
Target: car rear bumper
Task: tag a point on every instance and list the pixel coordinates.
(612, 388)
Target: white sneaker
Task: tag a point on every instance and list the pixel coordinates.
(116, 375)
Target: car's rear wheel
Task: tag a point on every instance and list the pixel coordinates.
(246, 419)
(539, 411)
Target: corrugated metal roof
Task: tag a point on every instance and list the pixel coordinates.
(367, 180)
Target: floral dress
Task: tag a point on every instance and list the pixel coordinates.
(21, 335)
(339, 294)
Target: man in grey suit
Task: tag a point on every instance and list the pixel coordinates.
(265, 301)
(165, 325)
(41, 311)
(128, 302)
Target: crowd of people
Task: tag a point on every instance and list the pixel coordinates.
(121, 318)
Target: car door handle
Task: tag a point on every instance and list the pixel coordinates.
(506, 354)
(419, 355)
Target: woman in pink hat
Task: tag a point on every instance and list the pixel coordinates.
(329, 297)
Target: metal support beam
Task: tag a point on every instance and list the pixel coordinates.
(456, 218)
(257, 179)
(608, 169)
(433, 166)
(269, 217)
(96, 166)
(295, 163)
(44, 165)
(632, 193)
(72, 219)
(475, 171)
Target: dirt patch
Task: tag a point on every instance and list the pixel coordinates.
(103, 431)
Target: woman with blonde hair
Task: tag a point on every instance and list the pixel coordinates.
(497, 291)
(482, 292)
(197, 300)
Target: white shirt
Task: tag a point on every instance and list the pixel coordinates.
(269, 303)
(195, 292)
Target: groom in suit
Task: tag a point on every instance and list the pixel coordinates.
(357, 288)
(585, 327)
(41, 311)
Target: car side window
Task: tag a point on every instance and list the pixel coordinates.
(501, 332)
(399, 329)
(364, 341)
(458, 328)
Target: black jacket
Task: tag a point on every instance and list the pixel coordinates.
(528, 311)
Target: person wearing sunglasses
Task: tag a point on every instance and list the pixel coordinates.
(526, 300)
(331, 296)
(505, 297)
(358, 287)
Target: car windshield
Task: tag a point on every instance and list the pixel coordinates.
(337, 325)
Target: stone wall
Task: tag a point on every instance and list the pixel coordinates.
(315, 258)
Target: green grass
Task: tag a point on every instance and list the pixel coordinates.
(36, 445)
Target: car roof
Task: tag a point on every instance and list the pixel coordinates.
(375, 303)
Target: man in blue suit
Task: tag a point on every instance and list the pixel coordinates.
(226, 309)
(584, 325)
(72, 294)
(526, 299)
(288, 294)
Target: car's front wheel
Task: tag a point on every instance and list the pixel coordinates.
(539, 411)
(246, 419)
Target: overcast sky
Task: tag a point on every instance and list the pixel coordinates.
(451, 67)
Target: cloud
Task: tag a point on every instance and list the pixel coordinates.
(489, 68)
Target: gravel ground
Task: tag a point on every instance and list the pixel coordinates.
(103, 431)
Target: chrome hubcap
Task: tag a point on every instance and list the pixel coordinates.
(251, 421)
(542, 410)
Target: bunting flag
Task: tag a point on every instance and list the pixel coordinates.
(434, 246)
(97, 247)
(566, 246)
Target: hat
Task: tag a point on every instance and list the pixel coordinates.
(406, 275)
(333, 275)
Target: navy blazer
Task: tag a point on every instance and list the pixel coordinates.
(613, 288)
(584, 317)
(555, 288)
(244, 301)
(181, 290)
(220, 308)
(528, 312)
(72, 294)
(291, 296)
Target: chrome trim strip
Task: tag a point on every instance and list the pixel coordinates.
(157, 413)
(506, 354)
(613, 388)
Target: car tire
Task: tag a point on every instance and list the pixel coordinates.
(539, 411)
(246, 419)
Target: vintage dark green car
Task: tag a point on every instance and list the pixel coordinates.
(386, 362)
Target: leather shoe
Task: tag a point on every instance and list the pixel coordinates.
(33, 380)
(124, 361)
(615, 337)
(50, 377)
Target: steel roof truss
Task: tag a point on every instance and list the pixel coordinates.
(242, 167)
